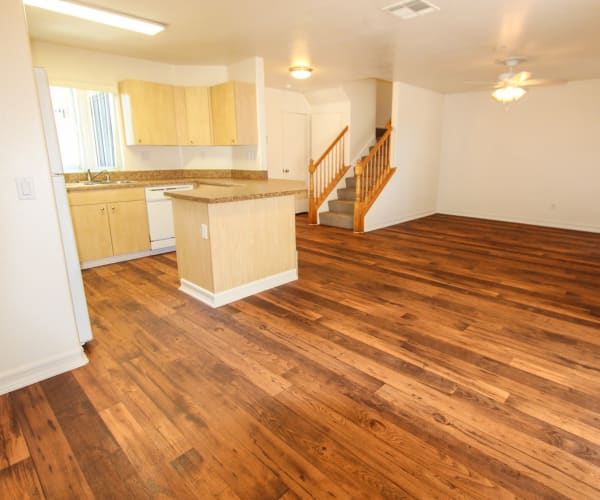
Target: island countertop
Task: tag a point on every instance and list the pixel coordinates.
(228, 190)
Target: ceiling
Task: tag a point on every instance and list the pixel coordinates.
(346, 40)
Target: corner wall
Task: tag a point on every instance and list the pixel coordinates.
(38, 335)
(537, 162)
(416, 142)
(101, 71)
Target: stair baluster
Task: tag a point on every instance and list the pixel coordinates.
(372, 174)
(325, 173)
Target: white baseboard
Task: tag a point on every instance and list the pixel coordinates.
(36, 372)
(221, 298)
(523, 220)
(116, 258)
(399, 220)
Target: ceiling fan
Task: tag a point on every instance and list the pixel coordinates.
(512, 85)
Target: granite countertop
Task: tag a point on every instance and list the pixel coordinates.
(123, 179)
(81, 186)
(226, 190)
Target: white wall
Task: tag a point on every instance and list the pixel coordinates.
(90, 69)
(362, 96)
(38, 336)
(383, 112)
(416, 142)
(537, 162)
(331, 109)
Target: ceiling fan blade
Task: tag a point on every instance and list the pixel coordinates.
(521, 77)
(540, 83)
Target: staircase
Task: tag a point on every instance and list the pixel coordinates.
(371, 174)
(341, 211)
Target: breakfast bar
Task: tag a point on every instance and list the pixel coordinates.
(235, 238)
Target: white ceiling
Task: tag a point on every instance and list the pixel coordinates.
(352, 39)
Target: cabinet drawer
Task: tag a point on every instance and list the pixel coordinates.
(106, 196)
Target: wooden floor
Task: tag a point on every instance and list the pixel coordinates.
(445, 357)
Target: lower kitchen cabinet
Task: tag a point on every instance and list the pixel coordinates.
(109, 222)
(92, 231)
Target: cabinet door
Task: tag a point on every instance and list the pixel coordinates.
(92, 231)
(148, 112)
(197, 107)
(129, 227)
(245, 113)
(222, 106)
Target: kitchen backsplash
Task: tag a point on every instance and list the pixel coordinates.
(174, 174)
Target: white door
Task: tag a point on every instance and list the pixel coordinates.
(295, 152)
(295, 147)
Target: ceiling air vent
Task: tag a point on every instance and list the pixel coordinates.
(411, 8)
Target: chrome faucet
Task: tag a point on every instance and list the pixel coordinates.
(90, 177)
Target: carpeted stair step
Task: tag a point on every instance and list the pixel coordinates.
(341, 206)
(351, 182)
(379, 132)
(346, 194)
(344, 221)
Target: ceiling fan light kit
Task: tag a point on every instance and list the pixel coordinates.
(508, 94)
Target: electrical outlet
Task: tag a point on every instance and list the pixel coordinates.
(204, 230)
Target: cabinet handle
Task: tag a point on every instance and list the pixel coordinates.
(139, 141)
(102, 210)
(113, 209)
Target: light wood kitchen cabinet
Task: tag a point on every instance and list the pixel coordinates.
(92, 231)
(233, 113)
(192, 110)
(148, 113)
(109, 222)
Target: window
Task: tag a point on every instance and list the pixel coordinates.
(87, 131)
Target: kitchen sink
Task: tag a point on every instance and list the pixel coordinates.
(96, 183)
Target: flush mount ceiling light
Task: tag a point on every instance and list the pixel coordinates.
(98, 15)
(301, 72)
(508, 94)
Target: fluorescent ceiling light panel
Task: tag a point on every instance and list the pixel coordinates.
(98, 15)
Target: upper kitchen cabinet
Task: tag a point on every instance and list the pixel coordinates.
(192, 109)
(233, 112)
(148, 111)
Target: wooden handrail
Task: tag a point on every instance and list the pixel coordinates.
(325, 174)
(372, 174)
(315, 165)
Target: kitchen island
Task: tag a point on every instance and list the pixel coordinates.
(235, 238)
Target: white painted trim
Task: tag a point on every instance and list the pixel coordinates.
(400, 220)
(114, 259)
(221, 298)
(158, 251)
(523, 220)
(36, 372)
(164, 243)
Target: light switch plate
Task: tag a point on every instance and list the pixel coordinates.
(25, 188)
(204, 229)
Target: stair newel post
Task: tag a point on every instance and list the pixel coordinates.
(312, 195)
(358, 218)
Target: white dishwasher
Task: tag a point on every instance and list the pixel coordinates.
(160, 216)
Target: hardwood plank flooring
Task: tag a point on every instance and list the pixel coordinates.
(446, 357)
